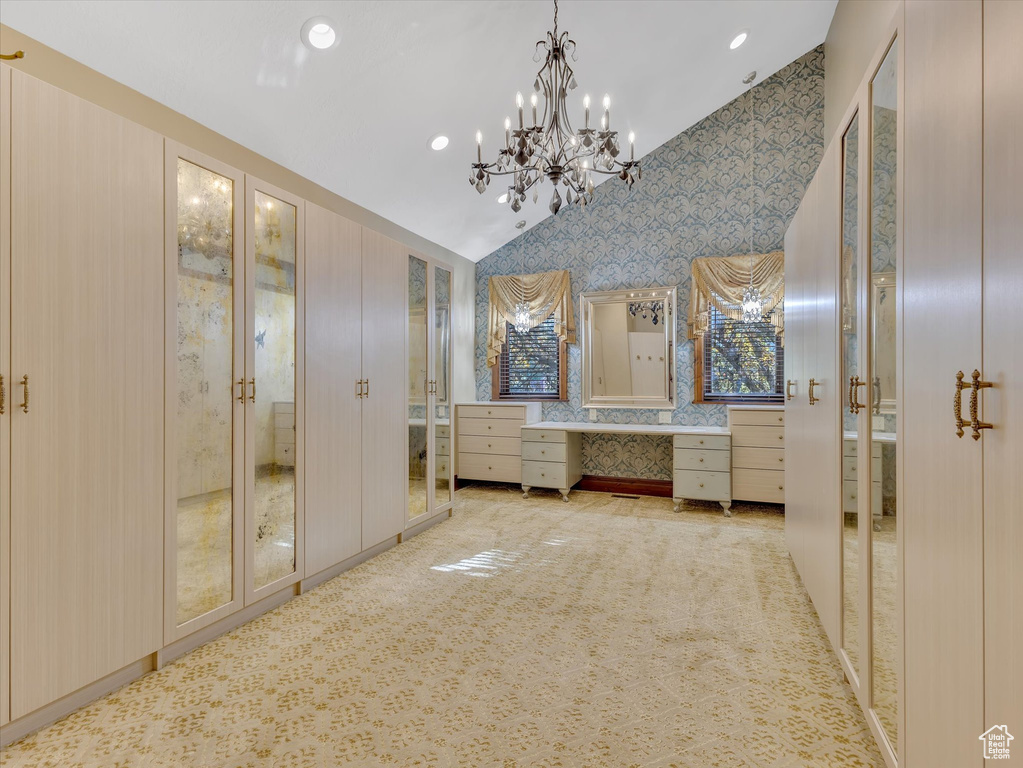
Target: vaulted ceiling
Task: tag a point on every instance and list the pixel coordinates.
(357, 119)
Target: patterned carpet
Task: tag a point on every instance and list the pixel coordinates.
(602, 632)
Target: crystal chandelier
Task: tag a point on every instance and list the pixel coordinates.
(550, 147)
(752, 301)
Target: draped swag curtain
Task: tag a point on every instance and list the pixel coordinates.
(545, 293)
(718, 281)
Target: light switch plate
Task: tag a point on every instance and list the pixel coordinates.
(593, 414)
(664, 417)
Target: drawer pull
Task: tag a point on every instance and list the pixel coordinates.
(490, 468)
(701, 461)
(542, 435)
(489, 412)
(542, 475)
(701, 485)
(781, 488)
(781, 418)
(781, 459)
(543, 452)
(489, 445)
(701, 442)
(781, 437)
(489, 427)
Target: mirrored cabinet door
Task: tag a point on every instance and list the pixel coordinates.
(205, 417)
(851, 587)
(441, 388)
(273, 407)
(418, 388)
(883, 306)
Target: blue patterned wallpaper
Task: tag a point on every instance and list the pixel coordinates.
(695, 199)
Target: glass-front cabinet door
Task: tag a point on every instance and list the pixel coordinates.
(419, 384)
(205, 416)
(272, 389)
(440, 396)
(883, 305)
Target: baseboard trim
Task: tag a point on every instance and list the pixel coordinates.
(418, 528)
(51, 713)
(311, 582)
(633, 485)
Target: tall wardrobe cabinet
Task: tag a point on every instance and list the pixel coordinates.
(82, 351)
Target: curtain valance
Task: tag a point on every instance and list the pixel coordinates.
(545, 293)
(719, 281)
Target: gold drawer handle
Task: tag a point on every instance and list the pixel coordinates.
(542, 435)
(957, 404)
(788, 390)
(489, 412)
(781, 437)
(701, 461)
(813, 383)
(781, 459)
(489, 467)
(701, 442)
(781, 418)
(781, 488)
(24, 383)
(542, 453)
(3, 395)
(241, 390)
(489, 445)
(488, 426)
(252, 397)
(701, 485)
(542, 475)
(975, 421)
(855, 406)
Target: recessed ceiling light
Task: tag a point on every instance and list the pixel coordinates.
(438, 142)
(738, 40)
(503, 198)
(320, 34)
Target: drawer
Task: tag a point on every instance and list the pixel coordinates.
(443, 430)
(544, 452)
(443, 446)
(490, 427)
(759, 485)
(284, 407)
(758, 437)
(707, 442)
(757, 418)
(284, 436)
(443, 467)
(849, 497)
(851, 448)
(500, 446)
(479, 466)
(710, 486)
(284, 420)
(544, 436)
(544, 474)
(758, 458)
(517, 412)
(850, 464)
(711, 461)
(284, 455)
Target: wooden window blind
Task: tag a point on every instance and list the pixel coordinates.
(740, 362)
(531, 365)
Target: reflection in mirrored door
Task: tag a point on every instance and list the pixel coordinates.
(884, 309)
(418, 376)
(442, 387)
(271, 391)
(205, 423)
(849, 292)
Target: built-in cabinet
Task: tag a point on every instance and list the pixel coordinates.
(204, 397)
(909, 238)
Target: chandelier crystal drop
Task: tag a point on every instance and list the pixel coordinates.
(550, 147)
(752, 305)
(523, 318)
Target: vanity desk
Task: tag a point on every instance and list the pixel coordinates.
(701, 465)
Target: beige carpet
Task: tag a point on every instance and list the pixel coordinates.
(602, 632)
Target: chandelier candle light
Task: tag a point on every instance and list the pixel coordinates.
(550, 147)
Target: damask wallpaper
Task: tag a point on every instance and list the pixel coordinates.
(696, 198)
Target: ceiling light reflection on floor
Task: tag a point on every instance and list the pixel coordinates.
(484, 564)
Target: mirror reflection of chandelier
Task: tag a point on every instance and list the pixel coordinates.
(647, 309)
(550, 147)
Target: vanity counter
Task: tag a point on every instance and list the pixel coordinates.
(627, 429)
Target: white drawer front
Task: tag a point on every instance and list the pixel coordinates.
(759, 437)
(759, 485)
(443, 447)
(284, 436)
(758, 458)
(544, 451)
(498, 446)
(443, 467)
(489, 427)
(479, 466)
(851, 448)
(284, 420)
(707, 442)
(712, 461)
(757, 418)
(284, 455)
(517, 412)
(443, 430)
(544, 474)
(710, 486)
(851, 463)
(544, 436)
(849, 497)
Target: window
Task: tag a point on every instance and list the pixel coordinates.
(739, 362)
(531, 366)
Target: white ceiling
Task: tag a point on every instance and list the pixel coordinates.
(357, 119)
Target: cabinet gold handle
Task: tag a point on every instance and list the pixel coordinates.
(975, 421)
(489, 412)
(788, 389)
(701, 485)
(367, 388)
(855, 406)
(781, 488)
(489, 467)
(781, 437)
(358, 388)
(542, 475)
(701, 461)
(781, 459)
(813, 383)
(24, 383)
(489, 445)
(3, 396)
(241, 390)
(542, 453)
(957, 404)
(489, 427)
(542, 435)
(252, 383)
(701, 442)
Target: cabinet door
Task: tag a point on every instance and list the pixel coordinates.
(421, 461)
(5, 384)
(440, 414)
(333, 352)
(274, 275)
(942, 501)
(88, 332)
(795, 384)
(205, 358)
(384, 409)
(1003, 364)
